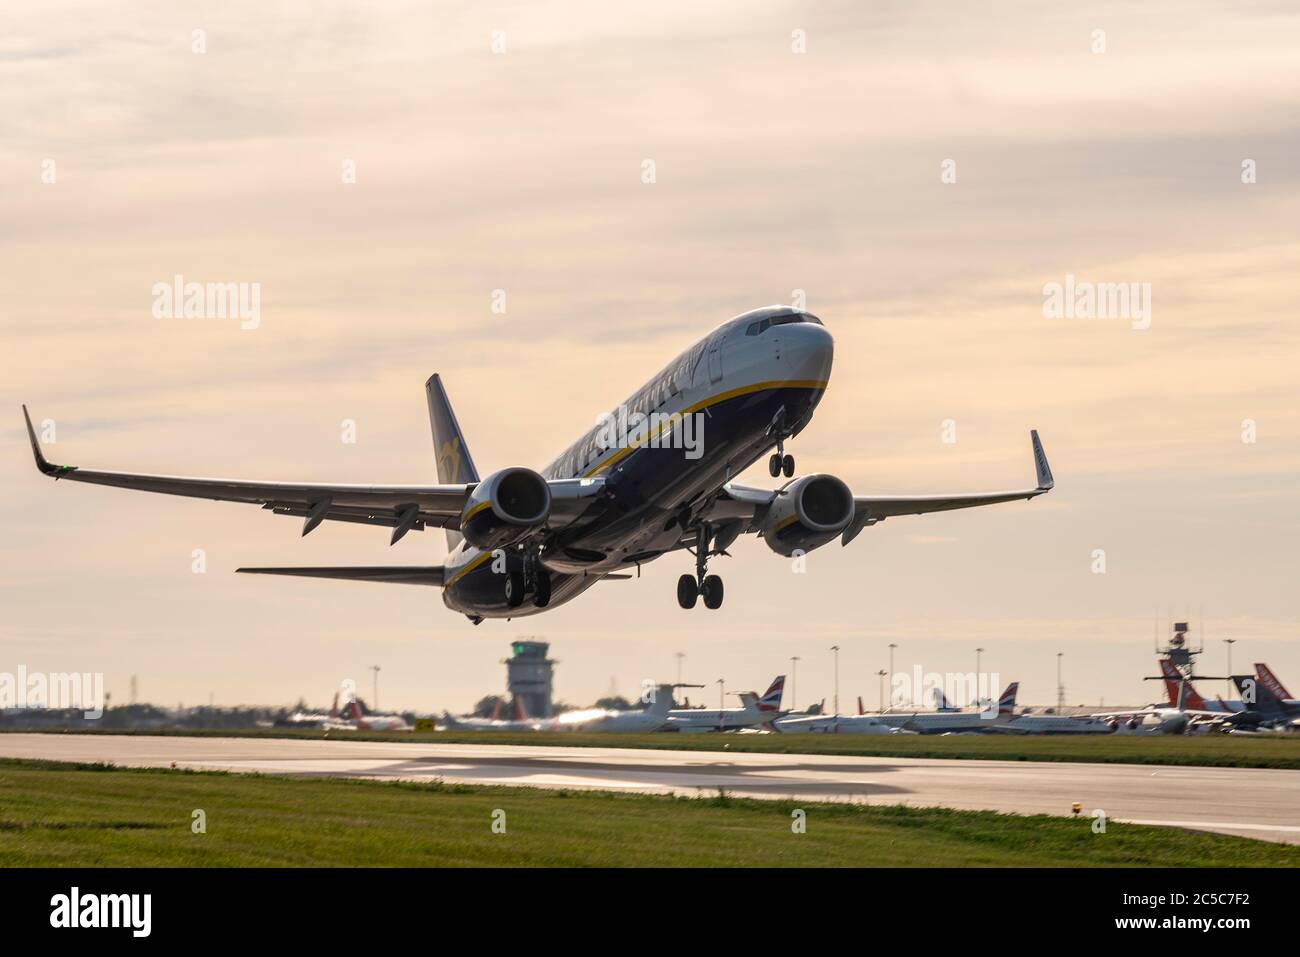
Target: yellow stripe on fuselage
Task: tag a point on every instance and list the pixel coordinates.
(818, 384)
(473, 563)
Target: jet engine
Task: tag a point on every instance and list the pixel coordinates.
(807, 514)
(505, 508)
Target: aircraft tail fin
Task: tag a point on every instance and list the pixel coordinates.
(771, 700)
(496, 710)
(1179, 688)
(334, 708)
(1256, 695)
(861, 710)
(455, 465)
(521, 713)
(662, 702)
(1007, 703)
(749, 701)
(941, 702)
(1267, 678)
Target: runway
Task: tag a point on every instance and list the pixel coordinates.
(1257, 803)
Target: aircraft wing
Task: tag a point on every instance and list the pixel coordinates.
(743, 507)
(391, 574)
(401, 507)
(869, 509)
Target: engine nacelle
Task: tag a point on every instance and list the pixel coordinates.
(807, 514)
(505, 507)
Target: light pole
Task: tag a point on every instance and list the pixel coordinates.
(794, 674)
(881, 673)
(1060, 688)
(1229, 642)
(836, 649)
(375, 669)
(978, 652)
(892, 646)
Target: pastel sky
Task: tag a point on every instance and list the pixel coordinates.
(776, 171)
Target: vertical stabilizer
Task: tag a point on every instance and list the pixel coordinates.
(455, 465)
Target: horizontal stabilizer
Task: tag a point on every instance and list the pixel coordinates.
(393, 574)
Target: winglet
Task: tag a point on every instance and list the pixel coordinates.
(41, 463)
(1045, 481)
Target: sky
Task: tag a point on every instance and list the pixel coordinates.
(918, 171)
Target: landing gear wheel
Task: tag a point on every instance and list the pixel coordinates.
(687, 592)
(542, 594)
(712, 590)
(787, 466)
(774, 465)
(514, 589)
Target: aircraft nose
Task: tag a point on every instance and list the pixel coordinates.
(811, 349)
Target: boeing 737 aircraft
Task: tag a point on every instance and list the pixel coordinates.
(651, 478)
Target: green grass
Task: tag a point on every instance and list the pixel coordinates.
(56, 814)
(1265, 751)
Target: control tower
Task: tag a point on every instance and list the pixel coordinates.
(529, 674)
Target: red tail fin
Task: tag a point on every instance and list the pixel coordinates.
(1269, 680)
(496, 710)
(334, 708)
(1191, 698)
(520, 712)
(861, 710)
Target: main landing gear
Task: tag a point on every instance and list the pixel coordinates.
(690, 588)
(532, 578)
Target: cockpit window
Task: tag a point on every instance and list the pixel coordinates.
(761, 326)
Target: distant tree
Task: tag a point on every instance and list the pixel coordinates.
(616, 703)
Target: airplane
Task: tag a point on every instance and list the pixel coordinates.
(1028, 723)
(521, 721)
(651, 478)
(653, 717)
(955, 722)
(314, 719)
(860, 723)
(1267, 678)
(1262, 707)
(754, 711)
(357, 717)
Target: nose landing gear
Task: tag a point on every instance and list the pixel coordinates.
(780, 462)
(690, 588)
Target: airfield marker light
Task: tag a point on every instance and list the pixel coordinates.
(1076, 808)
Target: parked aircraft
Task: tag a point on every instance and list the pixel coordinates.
(651, 478)
(754, 711)
(954, 722)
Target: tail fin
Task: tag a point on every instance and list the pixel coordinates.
(861, 710)
(1256, 694)
(1007, 703)
(1172, 680)
(455, 465)
(749, 701)
(663, 701)
(334, 708)
(355, 710)
(1269, 680)
(496, 710)
(1175, 683)
(521, 713)
(771, 700)
(941, 702)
